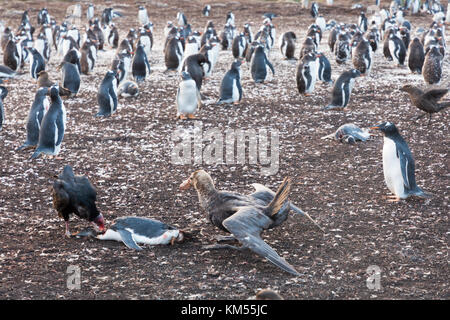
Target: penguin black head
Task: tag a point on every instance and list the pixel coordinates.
(54, 92)
(387, 128)
(355, 73)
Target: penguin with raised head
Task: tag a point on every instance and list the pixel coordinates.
(287, 45)
(416, 56)
(140, 64)
(88, 56)
(107, 95)
(230, 87)
(259, 65)
(173, 53)
(3, 94)
(432, 66)
(128, 89)
(188, 97)
(342, 89)
(37, 63)
(206, 10)
(362, 57)
(143, 15)
(398, 165)
(307, 74)
(397, 49)
(238, 46)
(53, 126)
(324, 68)
(181, 19)
(36, 114)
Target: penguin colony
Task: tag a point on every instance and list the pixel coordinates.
(190, 56)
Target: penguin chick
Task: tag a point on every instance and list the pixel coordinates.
(188, 97)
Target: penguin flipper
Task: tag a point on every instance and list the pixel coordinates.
(238, 85)
(270, 66)
(407, 168)
(128, 239)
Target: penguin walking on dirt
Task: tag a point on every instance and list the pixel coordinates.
(307, 74)
(107, 95)
(398, 165)
(88, 56)
(53, 126)
(188, 97)
(194, 66)
(173, 53)
(206, 11)
(71, 79)
(35, 116)
(432, 66)
(324, 68)
(146, 40)
(259, 64)
(12, 55)
(230, 87)
(113, 36)
(362, 57)
(314, 11)
(42, 46)
(238, 46)
(3, 94)
(342, 89)
(143, 15)
(287, 45)
(397, 49)
(140, 64)
(416, 56)
(37, 63)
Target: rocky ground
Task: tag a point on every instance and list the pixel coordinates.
(128, 158)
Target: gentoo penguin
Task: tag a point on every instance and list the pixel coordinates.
(43, 16)
(53, 126)
(259, 64)
(173, 53)
(188, 97)
(6, 36)
(362, 57)
(113, 36)
(146, 40)
(362, 22)
(132, 36)
(324, 68)
(133, 230)
(12, 56)
(37, 63)
(308, 46)
(416, 56)
(307, 74)
(373, 35)
(68, 43)
(88, 56)
(140, 64)
(238, 46)
(287, 45)
(107, 95)
(35, 116)
(194, 66)
(6, 72)
(227, 36)
(3, 94)
(128, 89)
(342, 89)
(181, 19)
(42, 46)
(169, 26)
(230, 18)
(143, 15)
(99, 34)
(75, 34)
(75, 194)
(342, 48)
(432, 66)
(122, 65)
(90, 12)
(405, 36)
(332, 37)
(398, 164)
(207, 36)
(386, 42)
(314, 9)
(125, 47)
(73, 56)
(71, 77)
(320, 21)
(230, 87)
(206, 10)
(349, 133)
(209, 51)
(190, 47)
(397, 49)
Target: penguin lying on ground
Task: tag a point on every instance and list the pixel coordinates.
(398, 164)
(128, 89)
(349, 133)
(6, 72)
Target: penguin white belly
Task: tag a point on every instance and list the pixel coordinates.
(165, 238)
(392, 170)
(235, 94)
(187, 98)
(110, 234)
(393, 52)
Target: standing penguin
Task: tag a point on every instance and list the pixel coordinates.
(259, 64)
(35, 116)
(188, 97)
(12, 56)
(90, 12)
(143, 15)
(230, 87)
(432, 66)
(140, 65)
(206, 10)
(208, 50)
(107, 95)
(146, 40)
(342, 89)
(194, 66)
(397, 49)
(307, 74)
(113, 36)
(324, 68)
(53, 126)
(88, 56)
(173, 53)
(42, 46)
(287, 45)
(71, 77)
(238, 46)
(37, 63)
(362, 22)
(3, 94)
(398, 164)
(181, 19)
(416, 56)
(314, 10)
(362, 57)
(342, 48)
